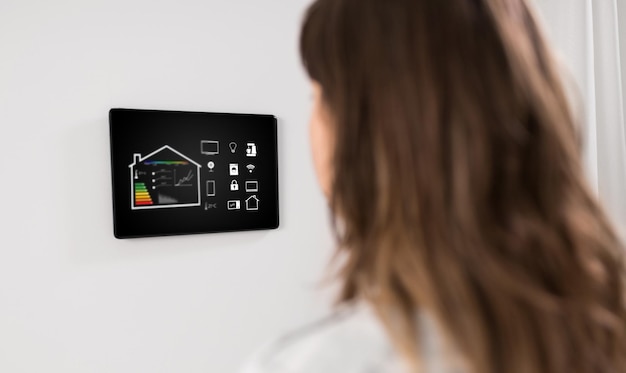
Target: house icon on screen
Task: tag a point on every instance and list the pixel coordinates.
(252, 203)
(164, 178)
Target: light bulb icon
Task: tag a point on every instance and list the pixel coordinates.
(233, 147)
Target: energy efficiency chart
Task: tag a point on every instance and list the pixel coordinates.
(164, 178)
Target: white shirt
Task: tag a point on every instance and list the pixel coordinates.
(350, 341)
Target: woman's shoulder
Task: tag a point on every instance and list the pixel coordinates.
(351, 340)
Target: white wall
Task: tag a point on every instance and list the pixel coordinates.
(568, 29)
(73, 298)
(590, 37)
(621, 14)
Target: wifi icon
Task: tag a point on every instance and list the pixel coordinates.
(250, 167)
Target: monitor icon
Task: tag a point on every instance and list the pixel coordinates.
(210, 147)
(252, 186)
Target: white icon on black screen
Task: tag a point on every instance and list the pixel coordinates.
(210, 147)
(234, 186)
(251, 149)
(252, 186)
(234, 169)
(210, 188)
(252, 203)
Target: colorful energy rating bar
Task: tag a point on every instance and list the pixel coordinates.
(142, 197)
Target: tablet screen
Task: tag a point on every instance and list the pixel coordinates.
(189, 172)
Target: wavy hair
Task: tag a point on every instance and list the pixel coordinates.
(459, 188)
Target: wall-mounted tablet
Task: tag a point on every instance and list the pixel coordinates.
(188, 172)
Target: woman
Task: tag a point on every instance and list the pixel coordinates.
(443, 139)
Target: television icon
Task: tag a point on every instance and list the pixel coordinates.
(252, 186)
(209, 147)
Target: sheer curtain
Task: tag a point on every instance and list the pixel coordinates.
(586, 34)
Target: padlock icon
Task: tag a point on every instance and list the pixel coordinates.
(234, 186)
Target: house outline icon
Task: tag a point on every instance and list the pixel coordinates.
(137, 158)
(252, 203)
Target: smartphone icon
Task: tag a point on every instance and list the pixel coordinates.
(234, 205)
(210, 188)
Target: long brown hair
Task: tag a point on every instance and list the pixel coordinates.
(458, 185)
